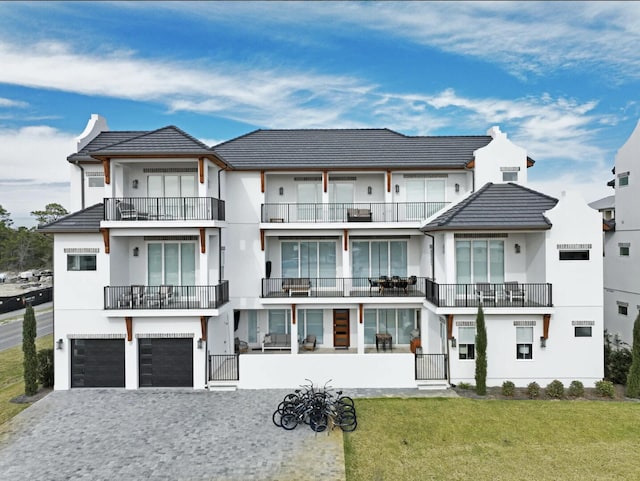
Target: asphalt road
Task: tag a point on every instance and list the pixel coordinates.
(11, 325)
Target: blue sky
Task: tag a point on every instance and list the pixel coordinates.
(562, 79)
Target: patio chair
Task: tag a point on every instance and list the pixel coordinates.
(132, 297)
(485, 291)
(128, 211)
(309, 343)
(514, 291)
(240, 346)
(162, 297)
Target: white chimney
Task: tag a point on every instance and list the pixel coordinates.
(495, 132)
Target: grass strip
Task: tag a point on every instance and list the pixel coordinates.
(450, 439)
(11, 377)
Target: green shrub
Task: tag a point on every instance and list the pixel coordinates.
(533, 390)
(576, 389)
(464, 385)
(619, 365)
(45, 367)
(555, 389)
(508, 389)
(605, 389)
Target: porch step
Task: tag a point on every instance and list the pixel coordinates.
(223, 385)
(435, 385)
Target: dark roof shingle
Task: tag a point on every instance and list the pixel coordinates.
(86, 220)
(497, 206)
(346, 148)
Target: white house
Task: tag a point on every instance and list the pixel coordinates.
(358, 256)
(621, 225)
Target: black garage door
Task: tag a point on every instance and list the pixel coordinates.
(97, 362)
(166, 362)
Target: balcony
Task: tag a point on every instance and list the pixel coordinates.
(508, 294)
(353, 212)
(344, 287)
(139, 297)
(163, 208)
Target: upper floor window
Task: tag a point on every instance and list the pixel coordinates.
(379, 258)
(624, 249)
(479, 261)
(577, 255)
(77, 262)
(623, 179)
(171, 263)
(96, 181)
(510, 177)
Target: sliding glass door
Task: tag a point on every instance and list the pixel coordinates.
(172, 263)
(311, 259)
(480, 261)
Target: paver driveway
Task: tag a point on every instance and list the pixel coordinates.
(163, 435)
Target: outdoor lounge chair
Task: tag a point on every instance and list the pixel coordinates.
(129, 212)
(309, 343)
(132, 297)
(513, 291)
(485, 291)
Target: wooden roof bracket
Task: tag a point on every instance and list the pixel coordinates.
(129, 323)
(105, 238)
(106, 166)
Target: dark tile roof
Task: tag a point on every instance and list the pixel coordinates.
(346, 148)
(86, 220)
(103, 140)
(497, 206)
(166, 141)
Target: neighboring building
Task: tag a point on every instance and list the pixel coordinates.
(622, 243)
(323, 255)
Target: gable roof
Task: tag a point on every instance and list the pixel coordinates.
(346, 148)
(86, 220)
(497, 206)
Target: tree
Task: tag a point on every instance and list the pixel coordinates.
(633, 379)
(29, 349)
(50, 213)
(5, 217)
(481, 353)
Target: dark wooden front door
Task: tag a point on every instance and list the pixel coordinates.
(341, 328)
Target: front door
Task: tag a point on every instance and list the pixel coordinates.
(341, 328)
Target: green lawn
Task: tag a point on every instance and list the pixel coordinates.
(467, 439)
(11, 381)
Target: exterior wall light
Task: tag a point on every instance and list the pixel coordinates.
(281, 190)
(454, 343)
(200, 343)
(136, 252)
(369, 190)
(457, 187)
(517, 248)
(134, 184)
(59, 344)
(543, 341)
(397, 188)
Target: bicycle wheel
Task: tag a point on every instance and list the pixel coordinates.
(350, 426)
(277, 418)
(289, 421)
(346, 400)
(318, 422)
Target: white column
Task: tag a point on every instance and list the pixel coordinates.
(294, 330)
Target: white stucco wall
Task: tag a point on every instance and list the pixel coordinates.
(500, 153)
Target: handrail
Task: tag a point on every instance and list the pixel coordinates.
(507, 294)
(350, 212)
(163, 208)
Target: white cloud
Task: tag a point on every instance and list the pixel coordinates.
(32, 170)
(12, 103)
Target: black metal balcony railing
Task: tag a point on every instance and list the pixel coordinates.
(224, 367)
(164, 208)
(431, 367)
(352, 212)
(344, 287)
(166, 297)
(490, 295)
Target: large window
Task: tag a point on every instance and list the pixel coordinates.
(421, 191)
(310, 259)
(397, 322)
(81, 262)
(479, 261)
(279, 321)
(311, 323)
(524, 342)
(172, 263)
(376, 258)
(466, 342)
(178, 193)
